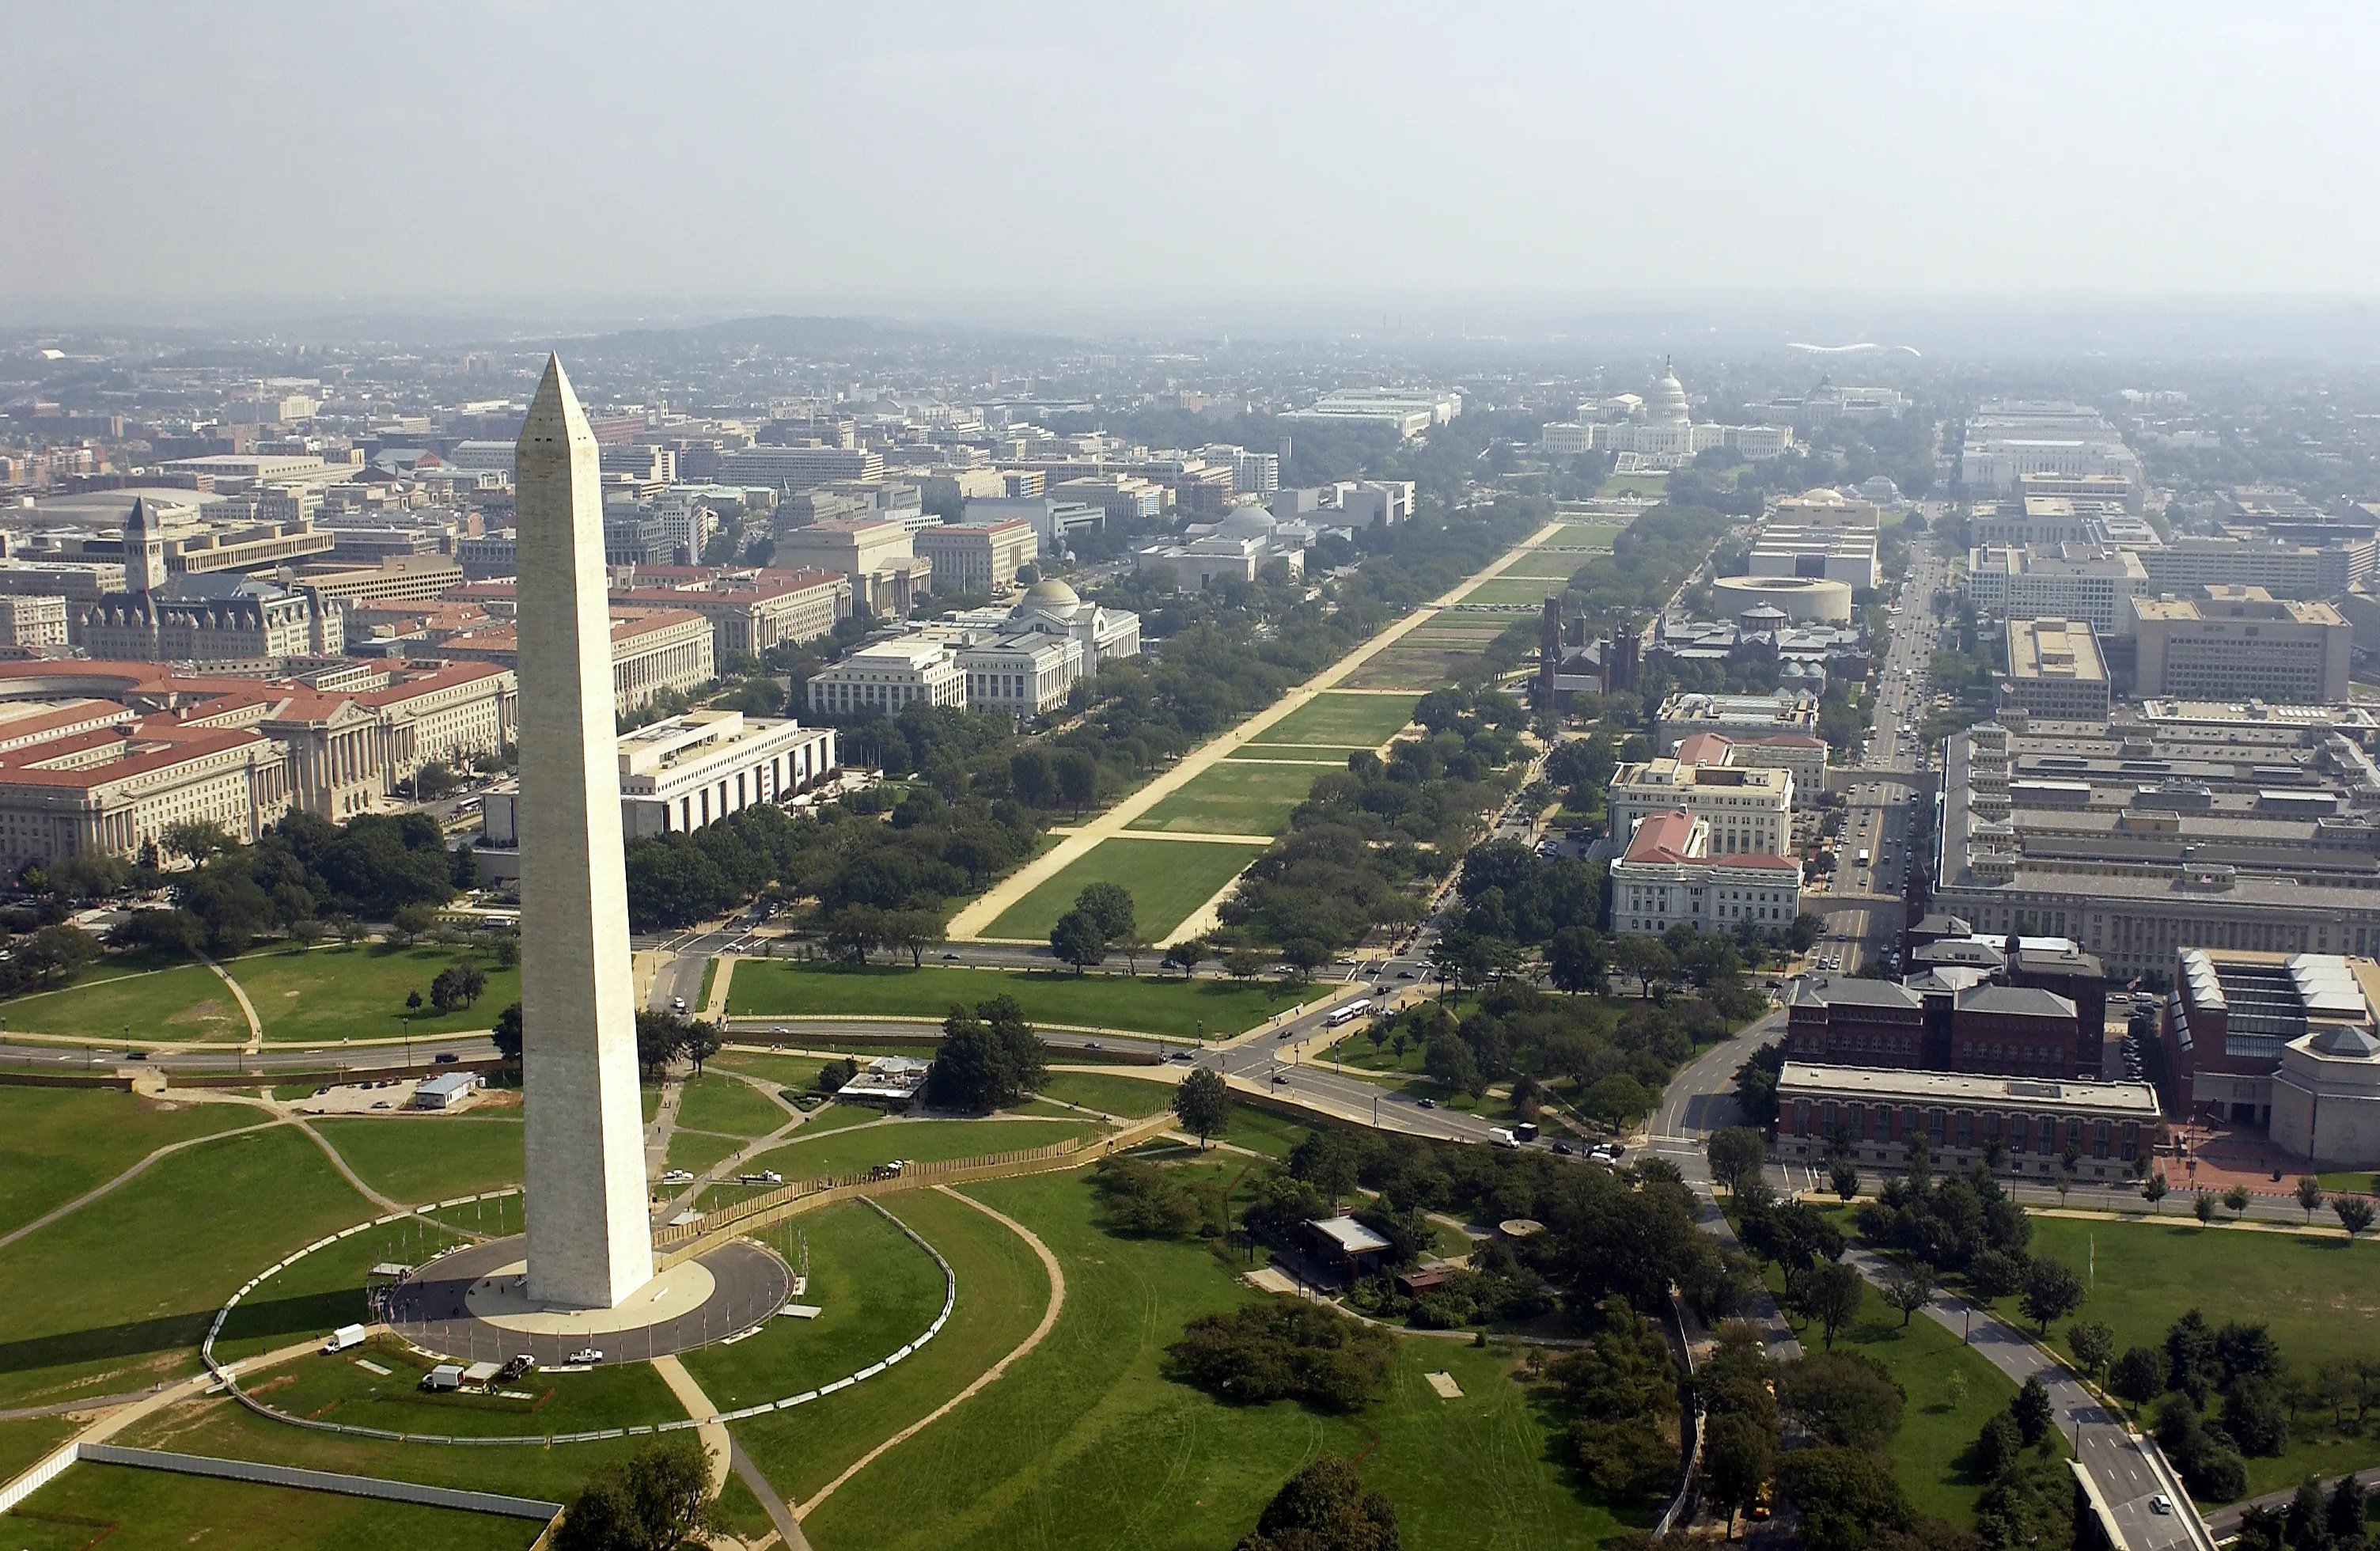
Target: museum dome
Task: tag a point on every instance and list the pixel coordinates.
(1051, 593)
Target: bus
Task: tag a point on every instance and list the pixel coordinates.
(1863, 856)
(1348, 1013)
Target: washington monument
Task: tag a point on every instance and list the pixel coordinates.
(588, 1244)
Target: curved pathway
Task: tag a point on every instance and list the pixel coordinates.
(1049, 1319)
(240, 995)
(87, 1197)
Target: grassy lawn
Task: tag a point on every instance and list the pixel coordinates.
(1587, 536)
(1550, 564)
(1002, 1292)
(1363, 720)
(797, 1073)
(715, 1103)
(57, 1143)
(221, 1427)
(335, 1388)
(857, 1148)
(699, 1150)
(155, 1508)
(1416, 667)
(1319, 757)
(1168, 879)
(1144, 1003)
(120, 1293)
(182, 1004)
(2321, 1298)
(1933, 1438)
(1262, 1131)
(330, 994)
(877, 1290)
(1514, 589)
(1633, 484)
(433, 1157)
(28, 1440)
(1084, 1442)
(1230, 800)
(1130, 1096)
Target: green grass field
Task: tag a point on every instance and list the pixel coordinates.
(182, 1004)
(1360, 721)
(877, 1290)
(699, 1150)
(1232, 800)
(152, 1510)
(1084, 1442)
(1633, 484)
(1130, 1096)
(1933, 1437)
(1585, 536)
(29, 1439)
(1121, 1002)
(330, 994)
(2321, 1298)
(57, 1143)
(1168, 878)
(1320, 758)
(714, 1102)
(334, 1388)
(429, 1157)
(1002, 1292)
(1551, 564)
(857, 1147)
(118, 1292)
(1516, 589)
(797, 1073)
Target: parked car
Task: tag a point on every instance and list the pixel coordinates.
(677, 1177)
(589, 1356)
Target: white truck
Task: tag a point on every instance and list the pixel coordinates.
(343, 1337)
(1500, 1137)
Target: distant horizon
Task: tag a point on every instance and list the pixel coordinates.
(1087, 160)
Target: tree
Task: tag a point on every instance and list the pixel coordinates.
(1831, 1296)
(2202, 1207)
(1645, 959)
(1243, 964)
(1325, 1508)
(1909, 1290)
(660, 1038)
(1845, 1399)
(703, 1040)
(506, 1035)
(2236, 1200)
(911, 932)
(854, 929)
(2154, 1188)
(1031, 777)
(413, 1000)
(2354, 1213)
(989, 1057)
(1203, 1104)
(2093, 1344)
(1737, 1154)
(2033, 1410)
(1738, 1457)
(2138, 1375)
(660, 1500)
(2343, 1515)
(1077, 940)
(1846, 1496)
(1109, 908)
(2309, 1195)
(1078, 777)
(409, 921)
(1843, 1174)
(1576, 960)
(2052, 1291)
(1447, 1061)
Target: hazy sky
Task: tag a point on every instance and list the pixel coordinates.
(164, 160)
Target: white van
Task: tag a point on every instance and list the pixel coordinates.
(343, 1337)
(1500, 1137)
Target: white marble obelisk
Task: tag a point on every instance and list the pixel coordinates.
(588, 1242)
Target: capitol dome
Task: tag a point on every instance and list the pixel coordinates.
(1668, 401)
